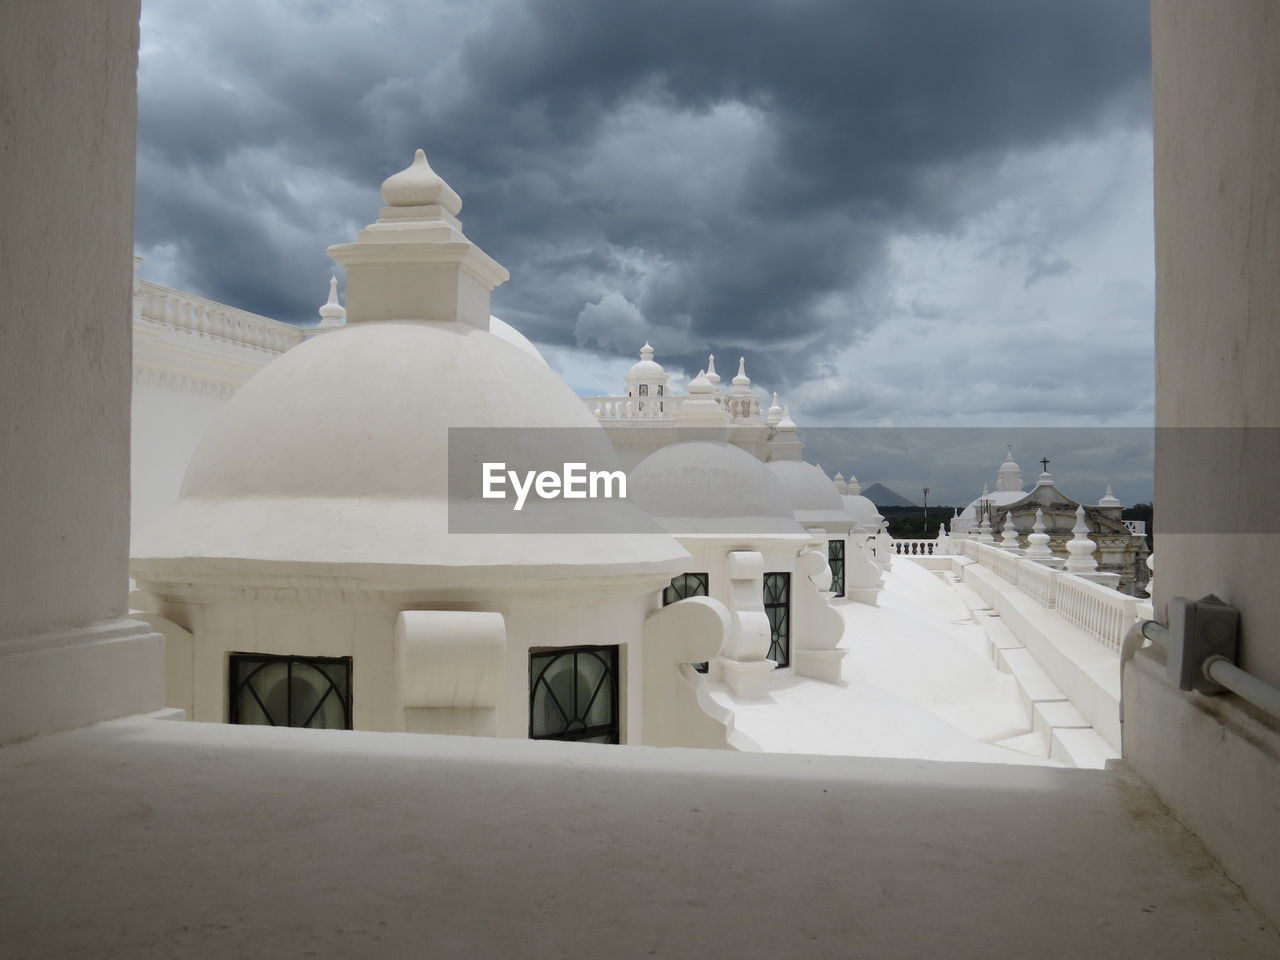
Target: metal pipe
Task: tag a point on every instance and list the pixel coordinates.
(1258, 692)
(1155, 632)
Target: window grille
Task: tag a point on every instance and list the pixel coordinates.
(573, 694)
(777, 606)
(835, 560)
(290, 691)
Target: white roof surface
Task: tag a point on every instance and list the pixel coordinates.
(917, 685)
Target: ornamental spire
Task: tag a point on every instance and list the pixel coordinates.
(332, 313)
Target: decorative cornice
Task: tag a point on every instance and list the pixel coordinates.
(146, 376)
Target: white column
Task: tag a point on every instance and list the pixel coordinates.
(68, 654)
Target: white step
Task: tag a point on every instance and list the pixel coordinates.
(1081, 748)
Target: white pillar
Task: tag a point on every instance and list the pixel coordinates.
(68, 653)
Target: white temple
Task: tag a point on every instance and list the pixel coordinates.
(304, 570)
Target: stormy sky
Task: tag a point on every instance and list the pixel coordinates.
(903, 212)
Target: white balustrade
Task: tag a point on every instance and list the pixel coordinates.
(1136, 527)
(1103, 613)
(915, 548)
(1038, 582)
(633, 408)
(205, 318)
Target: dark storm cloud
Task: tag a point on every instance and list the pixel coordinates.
(730, 168)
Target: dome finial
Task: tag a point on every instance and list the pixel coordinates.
(419, 186)
(775, 413)
(646, 352)
(332, 313)
(742, 380)
(711, 369)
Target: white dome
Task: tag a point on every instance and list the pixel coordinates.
(812, 494)
(337, 454)
(862, 510)
(646, 368)
(705, 487)
(505, 331)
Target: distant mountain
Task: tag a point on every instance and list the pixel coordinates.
(882, 496)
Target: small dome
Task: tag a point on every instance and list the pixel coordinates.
(700, 384)
(417, 185)
(646, 368)
(812, 494)
(336, 454)
(704, 487)
(862, 510)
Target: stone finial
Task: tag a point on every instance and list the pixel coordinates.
(646, 352)
(1045, 479)
(1009, 533)
(775, 413)
(1081, 547)
(417, 185)
(1109, 500)
(711, 369)
(1038, 540)
(742, 380)
(332, 313)
(786, 423)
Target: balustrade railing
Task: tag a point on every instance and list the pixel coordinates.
(916, 548)
(633, 408)
(1136, 527)
(185, 311)
(1103, 613)
(740, 409)
(1038, 582)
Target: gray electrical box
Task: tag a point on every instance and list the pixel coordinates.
(1198, 630)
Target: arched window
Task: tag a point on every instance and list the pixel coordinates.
(835, 560)
(573, 694)
(291, 691)
(777, 606)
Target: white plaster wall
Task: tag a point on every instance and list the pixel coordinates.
(343, 624)
(66, 183)
(1216, 70)
(1217, 139)
(167, 427)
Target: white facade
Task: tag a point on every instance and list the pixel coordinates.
(313, 522)
(152, 838)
